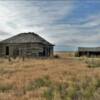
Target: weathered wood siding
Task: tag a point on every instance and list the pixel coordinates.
(95, 49)
(26, 49)
(86, 51)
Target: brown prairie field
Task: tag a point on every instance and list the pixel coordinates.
(63, 78)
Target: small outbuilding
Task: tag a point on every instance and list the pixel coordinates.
(27, 45)
(87, 51)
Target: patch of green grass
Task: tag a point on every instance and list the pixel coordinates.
(93, 65)
(5, 87)
(72, 93)
(88, 92)
(62, 88)
(98, 83)
(38, 83)
(49, 93)
(73, 90)
(87, 88)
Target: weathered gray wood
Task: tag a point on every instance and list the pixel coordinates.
(86, 51)
(26, 44)
(89, 49)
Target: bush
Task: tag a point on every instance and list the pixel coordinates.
(93, 65)
(5, 87)
(49, 95)
(38, 83)
(62, 88)
(56, 56)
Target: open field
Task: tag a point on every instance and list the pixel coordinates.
(64, 78)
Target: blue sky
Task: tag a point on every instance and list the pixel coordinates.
(66, 23)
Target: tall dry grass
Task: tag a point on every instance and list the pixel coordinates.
(65, 78)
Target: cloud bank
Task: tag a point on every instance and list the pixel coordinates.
(66, 23)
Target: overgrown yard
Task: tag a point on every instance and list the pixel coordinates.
(63, 78)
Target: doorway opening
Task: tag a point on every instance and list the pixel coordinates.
(7, 50)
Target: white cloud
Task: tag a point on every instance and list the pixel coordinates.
(18, 16)
(40, 17)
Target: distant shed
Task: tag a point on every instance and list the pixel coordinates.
(26, 44)
(88, 51)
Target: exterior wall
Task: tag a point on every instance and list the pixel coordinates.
(88, 53)
(51, 51)
(1, 50)
(47, 51)
(26, 49)
(88, 49)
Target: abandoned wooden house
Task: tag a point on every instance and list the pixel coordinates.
(86, 51)
(26, 44)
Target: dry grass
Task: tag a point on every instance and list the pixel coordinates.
(66, 78)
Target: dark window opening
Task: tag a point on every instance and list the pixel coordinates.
(44, 51)
(7, 50)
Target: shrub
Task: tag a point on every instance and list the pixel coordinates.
(62, 88)
(39, 83)
(48, 94)
(98, 83)
(5, 87)
(93, 65)
(56, 56)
